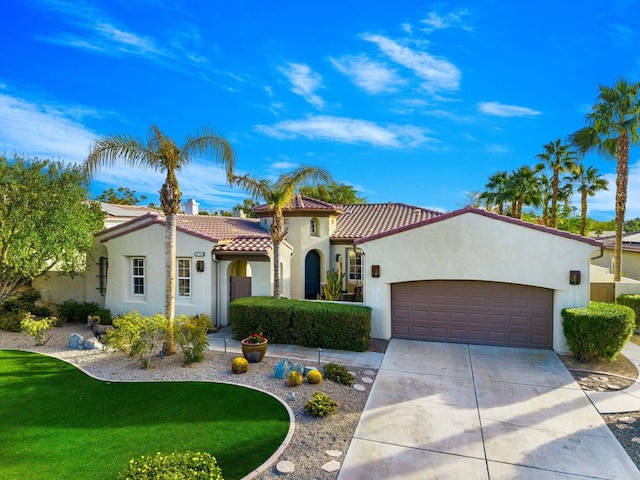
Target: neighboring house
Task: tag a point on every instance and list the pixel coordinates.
(630, 255)
(467, 276)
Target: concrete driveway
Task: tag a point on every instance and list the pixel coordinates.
(452, 411)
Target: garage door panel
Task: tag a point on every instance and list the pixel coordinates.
(487, 313)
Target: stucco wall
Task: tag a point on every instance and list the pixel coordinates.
(474, 247)
(630, 263)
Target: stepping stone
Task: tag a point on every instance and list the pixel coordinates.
(285, 466)
(636, 439)
(369, 372)
(353, 374)
(366, 380)
(612, 387)
(627, 420)
(331, 466)
(359, 387)
(334, 453)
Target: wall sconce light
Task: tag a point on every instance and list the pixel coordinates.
(338, 256)
(200, 266)
(574, 277)
(375, 271)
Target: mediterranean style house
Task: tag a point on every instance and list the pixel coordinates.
(467, 276)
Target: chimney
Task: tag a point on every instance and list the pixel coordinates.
(239, 213)
(191, 207)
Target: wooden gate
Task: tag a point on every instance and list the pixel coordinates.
(239, 287)
(603, 292)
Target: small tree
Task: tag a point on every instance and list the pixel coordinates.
(46, 222)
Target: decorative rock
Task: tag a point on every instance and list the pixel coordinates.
(75, 341)
(369, 373)
(334, 453)
(331, 466)
(359, 387)
(353, 374)
(292, 396)
(285, 466)
(92, 344)
(307, 370)
(627, 420)
(636, 439)
(297, 367)
(282, 368)
(611, 386)
(367, 380)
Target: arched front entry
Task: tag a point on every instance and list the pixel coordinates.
(312, 275)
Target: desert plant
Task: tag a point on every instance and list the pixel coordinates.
(191, 336)
(332, 289)
(314, 377)
(175, 466)
(10, 321)
(598, 331)
(38, 329)
(239, 365)
(337, 373)
(137, 335)
(294, 379)
(320, 405)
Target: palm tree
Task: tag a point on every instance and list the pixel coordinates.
(495, 193)
(612, 126)
(559, 159)
(278, 195)
(523, 188)
(589, 183)
(161, 153)
(546, 194)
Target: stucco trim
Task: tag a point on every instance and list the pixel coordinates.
(484, 213)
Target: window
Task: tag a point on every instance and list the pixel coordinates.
(138, 275)
(355, 265)
(103, 267)
(313, 227)
(184, 277)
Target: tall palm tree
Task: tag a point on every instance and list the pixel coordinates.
(546, 194)
(589, 182)
(161, 153)
(559, 159)
(495, 193)
(612, 126)
(523, 188)
(278, 195)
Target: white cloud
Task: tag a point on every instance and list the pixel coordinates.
(605, 200)
(373, 77)
(284, 165)
(436, 21)
(42, 130)
(305, 82)
(439, 74)
(347, 130)
(502, 110)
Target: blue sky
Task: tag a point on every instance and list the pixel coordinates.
(408, 101)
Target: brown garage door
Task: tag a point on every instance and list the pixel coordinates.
(486, 313)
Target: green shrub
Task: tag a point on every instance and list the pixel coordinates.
(175, 466)
(190, 334)
(73, 311)
(633, 302)
(311, 324)
(10, 321)
(136, 335)
(598, 331)
(38, 329)
(337, 373)
(320, 405)
(25, 302)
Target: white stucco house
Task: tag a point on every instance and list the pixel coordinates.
(467, 276)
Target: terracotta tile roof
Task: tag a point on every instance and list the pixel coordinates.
(300, 202)
(125, 211)
(630, 242)
(219, 228)
(363, 220)
(246, 245)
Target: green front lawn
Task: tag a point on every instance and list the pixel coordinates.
(58, 423)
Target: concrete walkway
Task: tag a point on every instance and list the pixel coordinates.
(451, 411)
(621, 401)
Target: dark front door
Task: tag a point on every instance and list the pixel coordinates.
(240, 287)
(312, 275)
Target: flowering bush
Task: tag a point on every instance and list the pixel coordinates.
(175, 466)
(255, 338)
(37, 328)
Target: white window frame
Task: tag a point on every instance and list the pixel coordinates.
(354, 265)
(183, 277)
(138, 270)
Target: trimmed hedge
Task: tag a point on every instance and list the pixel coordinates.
(633, 302)
(600, 330)
(300, 322)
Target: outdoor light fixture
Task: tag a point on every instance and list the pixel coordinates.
(375, 271)
(574, 277)
(200, 266)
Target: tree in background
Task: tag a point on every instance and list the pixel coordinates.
(589, 182)
(495, 194)
(612, 126)
(159, 152)
(523, 188)
(334, 193)
(46, 222)
(123, 196)
(558, 158)
(278, 195)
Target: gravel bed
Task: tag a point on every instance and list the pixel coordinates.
(312, 438)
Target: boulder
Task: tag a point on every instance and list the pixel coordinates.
(75, 341)
(92, 344)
